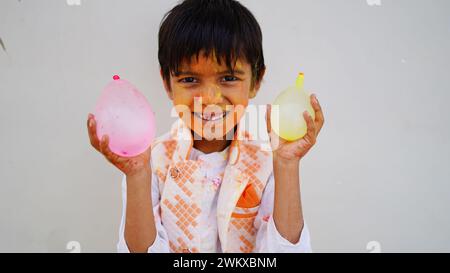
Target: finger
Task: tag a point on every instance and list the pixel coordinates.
(311, 128)
(92, 131)
(104, 149)
(268, 121)
(319, 120)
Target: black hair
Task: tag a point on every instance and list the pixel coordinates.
(222, 27)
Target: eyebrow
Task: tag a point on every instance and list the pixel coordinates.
(190, 73)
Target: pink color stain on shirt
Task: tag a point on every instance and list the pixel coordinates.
(217, 181)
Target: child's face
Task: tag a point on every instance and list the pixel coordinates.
(209, 98)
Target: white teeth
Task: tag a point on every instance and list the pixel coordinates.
(210, 117)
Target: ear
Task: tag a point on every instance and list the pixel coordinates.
(257, 86)
(166, 86)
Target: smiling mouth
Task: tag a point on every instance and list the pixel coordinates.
(211, 116)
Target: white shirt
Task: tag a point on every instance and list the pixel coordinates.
(268, 239)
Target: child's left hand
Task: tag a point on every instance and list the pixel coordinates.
(293, 151)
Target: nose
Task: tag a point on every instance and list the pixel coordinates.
(212, 94)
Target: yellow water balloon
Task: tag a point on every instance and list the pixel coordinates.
(287, 111)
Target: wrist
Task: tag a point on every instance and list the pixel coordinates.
(279, 161)
(139, 173)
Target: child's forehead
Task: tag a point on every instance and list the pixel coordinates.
(208, 64)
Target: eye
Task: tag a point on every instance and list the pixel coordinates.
(229, 79)
(188, 80)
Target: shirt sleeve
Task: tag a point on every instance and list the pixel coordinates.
(268, 239)
(161, 243)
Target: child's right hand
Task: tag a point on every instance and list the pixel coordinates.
(128, 165)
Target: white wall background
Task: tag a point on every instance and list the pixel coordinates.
(380, 171)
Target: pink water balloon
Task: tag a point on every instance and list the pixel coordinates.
(125, 115)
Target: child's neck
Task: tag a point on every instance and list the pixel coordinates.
(211, 146)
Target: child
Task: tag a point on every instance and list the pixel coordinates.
(205, 186)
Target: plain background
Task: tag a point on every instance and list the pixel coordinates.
(378, 176)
